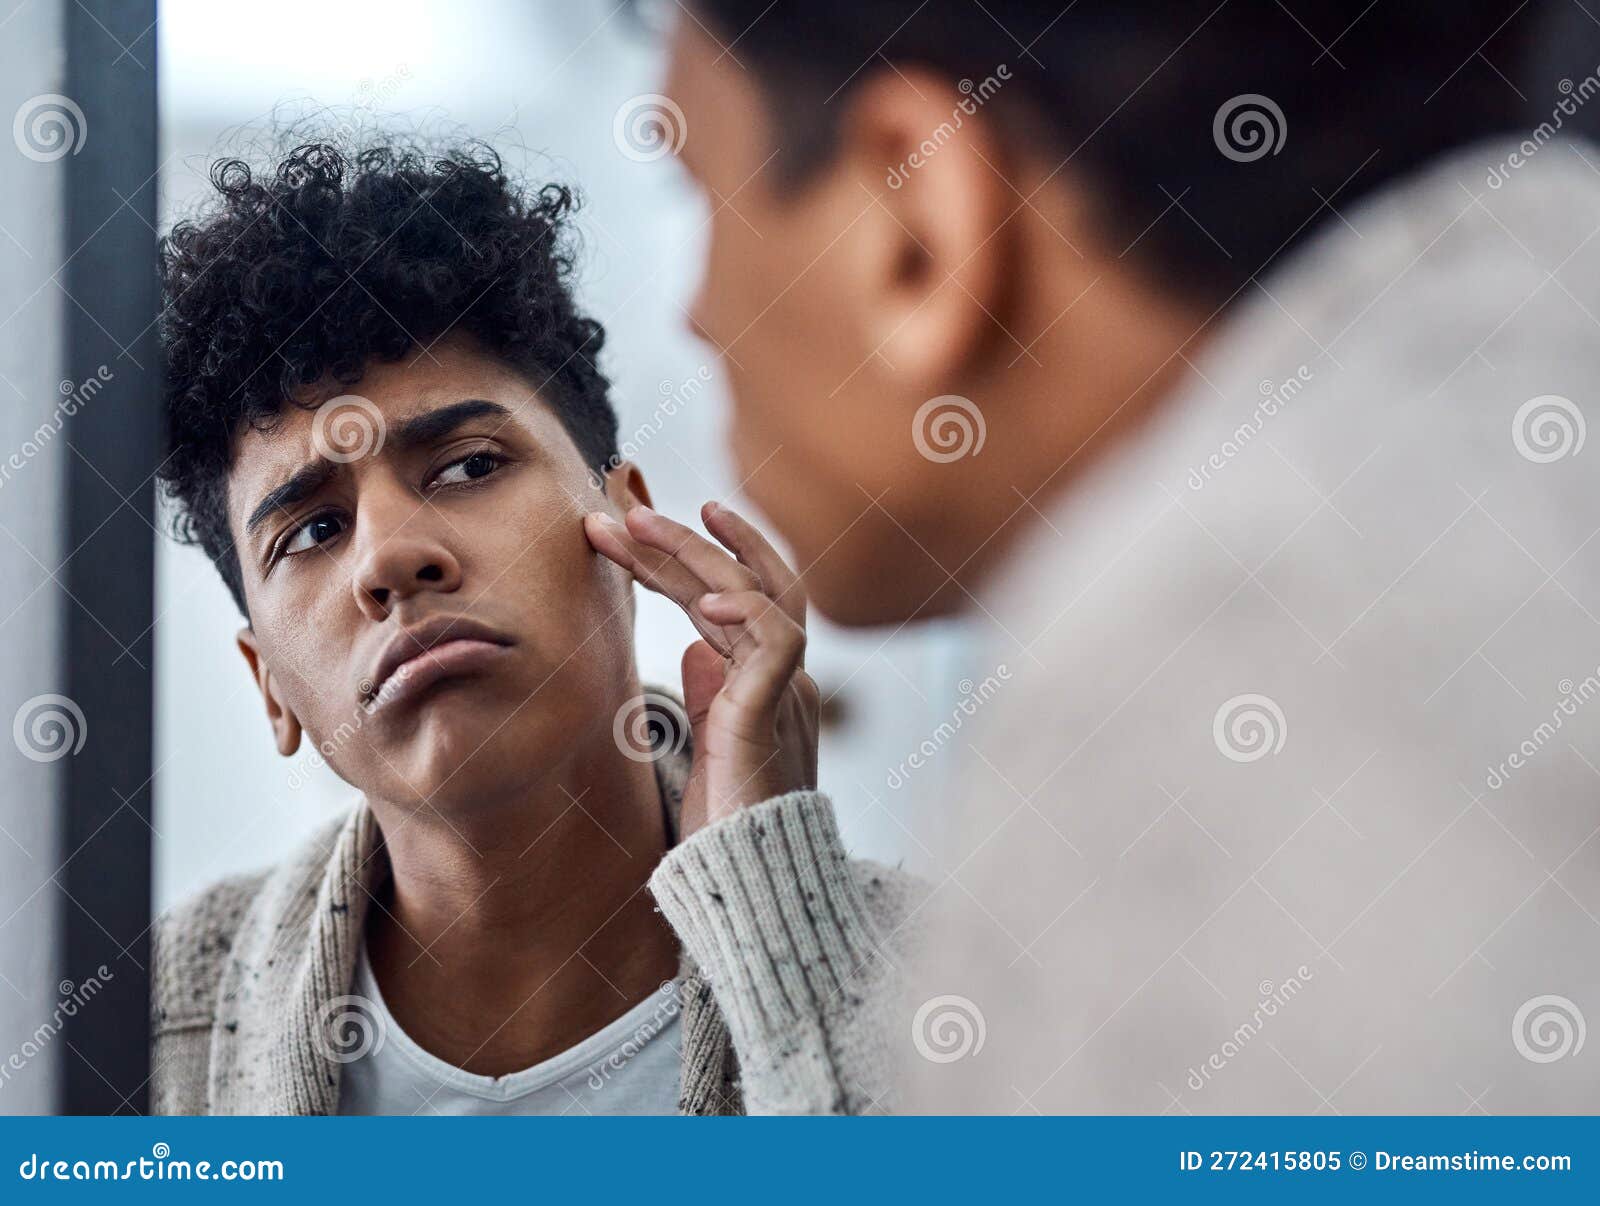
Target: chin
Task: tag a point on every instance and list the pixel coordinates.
(471, 747)
(851, 607)
(871, 585)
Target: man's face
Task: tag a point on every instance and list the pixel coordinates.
(374, 535)
(821, 426)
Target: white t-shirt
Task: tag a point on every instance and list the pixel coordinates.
(632, 1066)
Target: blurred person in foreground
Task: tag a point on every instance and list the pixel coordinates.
(1229, 367)
(557, 891)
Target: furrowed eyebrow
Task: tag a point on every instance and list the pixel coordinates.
(305, 482)
(415, 431)
(435, 424)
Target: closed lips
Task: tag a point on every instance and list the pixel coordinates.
(412, 644)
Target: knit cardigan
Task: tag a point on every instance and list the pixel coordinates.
(787, 976)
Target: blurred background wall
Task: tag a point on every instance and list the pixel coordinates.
(78, 431)
(543, 82)
(31, 320)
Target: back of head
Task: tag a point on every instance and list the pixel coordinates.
(1251, 115)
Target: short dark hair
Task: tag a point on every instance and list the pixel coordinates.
(1126, 92)
(333, 259)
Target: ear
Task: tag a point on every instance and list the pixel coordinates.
(942, 278)
(625, 487)
(285, 724)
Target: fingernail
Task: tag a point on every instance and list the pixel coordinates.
(711, 508)
(712, 599)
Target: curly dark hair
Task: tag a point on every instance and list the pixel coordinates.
(331, 260)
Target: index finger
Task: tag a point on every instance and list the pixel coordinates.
(705, 560)
(756, 553)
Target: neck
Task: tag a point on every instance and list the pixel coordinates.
(510, 932)
(1087, 387)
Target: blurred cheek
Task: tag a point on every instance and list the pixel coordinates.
(804, 428)
(729, 285)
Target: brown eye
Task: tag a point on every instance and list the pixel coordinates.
(469, 468)
(479, 464)
(319, 529)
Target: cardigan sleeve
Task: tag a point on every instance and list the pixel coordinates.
(800, 945)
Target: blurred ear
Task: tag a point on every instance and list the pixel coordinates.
(625, 487)
(285, 724)
(936, 252)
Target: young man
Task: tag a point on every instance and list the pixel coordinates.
(1227, 369)
(390, 434)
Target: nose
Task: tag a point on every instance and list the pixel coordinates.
(404, 557)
